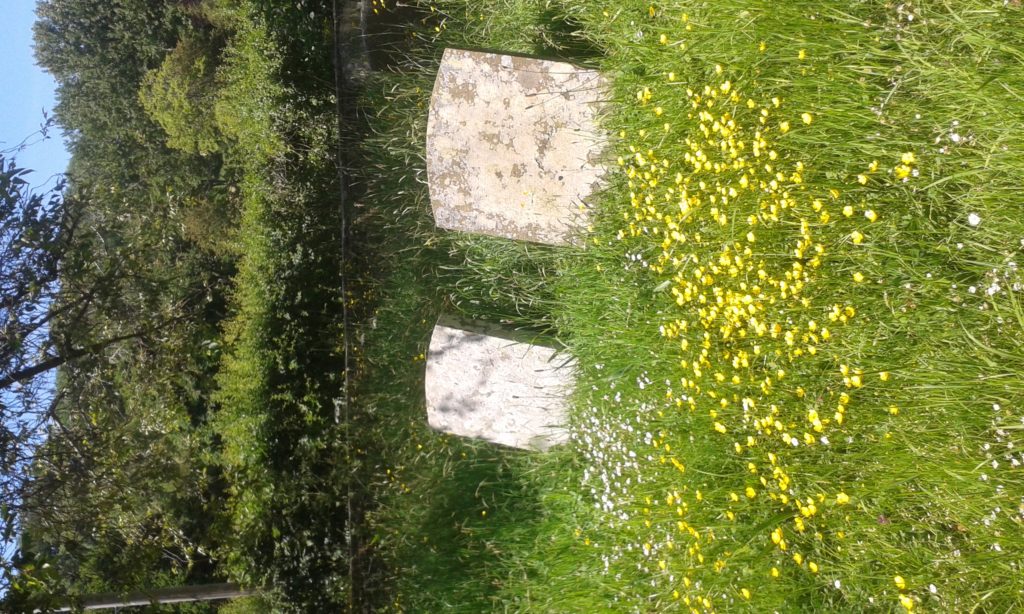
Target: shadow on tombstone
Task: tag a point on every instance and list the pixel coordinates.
(488, 382)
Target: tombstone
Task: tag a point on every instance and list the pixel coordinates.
(513, 146)
(488, 382)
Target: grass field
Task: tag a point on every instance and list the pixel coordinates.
(797, 318)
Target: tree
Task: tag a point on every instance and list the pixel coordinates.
(39, 249)
(36, 234)
(79, 312)
(97, 51)
(34, 230)
(181, 94)
(110, 303)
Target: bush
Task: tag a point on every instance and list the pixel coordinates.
(249, 92)
(180, 97)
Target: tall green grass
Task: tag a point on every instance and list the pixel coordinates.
(282, 371)
(916, 492)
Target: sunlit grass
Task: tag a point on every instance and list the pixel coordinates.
(798, 321)
(819, 200)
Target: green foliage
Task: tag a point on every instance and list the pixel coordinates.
(278, 383)
(124, 493)
(210, 221)
(250, 92)
(98, 52)
(209, 95)
(180, 97)
(244, 377)
(224, 15)
(247, 605)
(313, 489)
(283, 368)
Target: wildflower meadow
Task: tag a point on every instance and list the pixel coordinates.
(795, 306)
(797, 314)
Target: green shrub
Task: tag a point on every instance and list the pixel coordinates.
(256, 604)
(249, 92)
(179, 96)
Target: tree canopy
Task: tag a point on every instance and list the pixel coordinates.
(110, 302)
(188, 254)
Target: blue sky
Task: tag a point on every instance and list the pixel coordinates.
(25, 91)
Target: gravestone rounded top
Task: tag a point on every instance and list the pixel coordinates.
(513, 146)
(490, 383)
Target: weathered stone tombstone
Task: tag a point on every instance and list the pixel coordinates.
(487, 382)
(513, 150)
(513, 146)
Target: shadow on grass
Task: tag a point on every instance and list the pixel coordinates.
(438, 509)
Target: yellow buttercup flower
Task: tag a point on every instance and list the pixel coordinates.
(871, 215)
(807, 118)
(858, 277)
(900, 582)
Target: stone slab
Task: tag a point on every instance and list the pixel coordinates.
(513, 146)
(490, 383)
